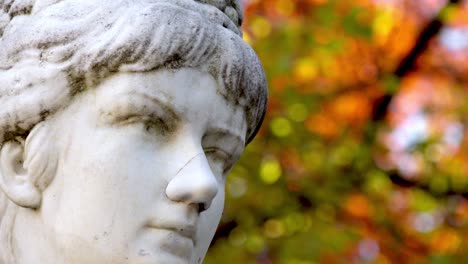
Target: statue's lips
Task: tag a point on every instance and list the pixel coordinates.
(175, 233)
(178, 242)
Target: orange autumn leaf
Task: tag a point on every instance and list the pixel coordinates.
(322, 125)
(446, 241)
(358, 206)
(351, 107)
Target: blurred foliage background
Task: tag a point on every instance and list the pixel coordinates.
(363, 155)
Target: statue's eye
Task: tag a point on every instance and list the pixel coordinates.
(222, 148)
(218, 158)
(217, 153)
(156, 125)
(155, 117)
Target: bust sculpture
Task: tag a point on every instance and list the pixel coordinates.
(119, 121)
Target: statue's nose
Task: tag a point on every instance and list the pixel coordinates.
(194, 183)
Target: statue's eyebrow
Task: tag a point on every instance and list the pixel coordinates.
(127, 105)
(159, 102)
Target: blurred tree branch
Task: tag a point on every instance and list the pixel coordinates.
(407, 65)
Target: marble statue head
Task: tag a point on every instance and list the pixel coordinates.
(119, 121)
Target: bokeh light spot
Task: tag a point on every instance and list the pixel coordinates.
(270, 171)
(237, 187)
(285, 7)
(273, 228)
(255, 243)
(424, 222)
(260, 27)
(237, 237)
(281, 127)
(368, 249)
(298, 112)
(306, 70)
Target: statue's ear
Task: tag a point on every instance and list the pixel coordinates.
(15, 181)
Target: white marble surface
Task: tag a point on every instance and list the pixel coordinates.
(119, 122)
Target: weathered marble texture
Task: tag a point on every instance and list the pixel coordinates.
(119, 121)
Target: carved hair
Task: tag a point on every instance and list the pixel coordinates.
(75, 44)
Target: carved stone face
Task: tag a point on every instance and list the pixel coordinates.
(142, 164)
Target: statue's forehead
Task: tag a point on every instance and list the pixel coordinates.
(171, 85)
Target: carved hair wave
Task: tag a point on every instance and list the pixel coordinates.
(77, 43)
